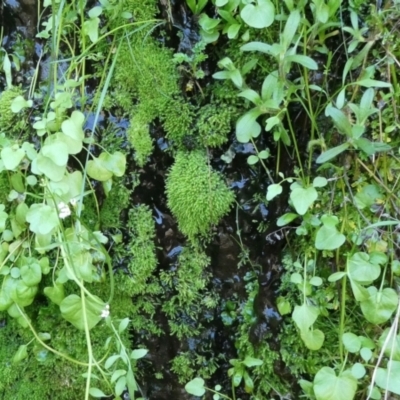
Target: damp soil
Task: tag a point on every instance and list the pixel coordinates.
(228, 281)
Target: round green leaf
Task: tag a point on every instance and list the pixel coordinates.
(42, 218)
(313, 339)
(329, 238)
(283, 305)
(303, 198)
(12, 156)
(316, 281)
(361, 270)
(56, 152)
(24, 295)
(15, 272)
(31, 274)
(320, 181)
(296, 278)
(251, 160)
(304, 316)
(247, 127)
(351, 342)
(196, 387)
(21, 354)
(328, 386)
(274, 190)
(358, 370)
(47, 167)
(72, 311)
(55, 293)
(366, 354)
(97, 170)
(115, 163)
(259, 16)
(380, 305)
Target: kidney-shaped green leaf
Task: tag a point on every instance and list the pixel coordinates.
(328, 386)
(260, 15)
(72, 310)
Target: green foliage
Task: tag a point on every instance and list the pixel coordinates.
(190, 297)
(116, 201)
(143, 260)
(139, 137)
(197, 195)
(214, 125)
(10, 122)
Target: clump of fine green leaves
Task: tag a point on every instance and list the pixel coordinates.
(140, 139)
(197, 195)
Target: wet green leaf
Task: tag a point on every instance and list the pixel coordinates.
(115, 163)
(286, 219)
(303, 60)
(72, 310)
(196, 387)
(351, 342)
(319, 181)
(96, 169)
(361, 270)
(366, 354)
(304, 316)
(12, 157)
(332, 153)
(260, 15)
(247, 127)
(251, 160)
(273, 190)
(328, 386)
(31, 274)
(328, 237)
(358, 371)
(303, 198)
(19, 103)
(55, 293)
(21, 354)
(283, 305)
(138, 353)
(257, 46)
(42, 218)
(313, 338)
(380, 305)
(47, 167)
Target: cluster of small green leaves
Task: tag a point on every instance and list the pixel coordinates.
(190, 297)
(197, 195)
(140, 139)
(214, 125)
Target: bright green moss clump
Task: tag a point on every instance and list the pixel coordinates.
(197, 195)
(140, 139)
(214, 124)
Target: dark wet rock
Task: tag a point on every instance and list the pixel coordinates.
(25, 14)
